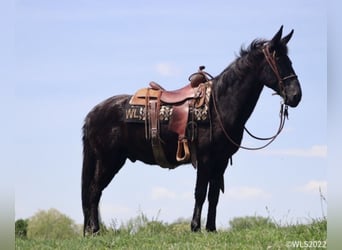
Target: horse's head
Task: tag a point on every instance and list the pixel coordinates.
(277, 72)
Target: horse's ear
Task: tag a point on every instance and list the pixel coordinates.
(287, 38)
(275, 41)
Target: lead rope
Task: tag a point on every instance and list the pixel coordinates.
(283, 114)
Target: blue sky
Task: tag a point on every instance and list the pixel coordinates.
(70, 55)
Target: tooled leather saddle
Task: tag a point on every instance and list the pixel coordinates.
(179, 104)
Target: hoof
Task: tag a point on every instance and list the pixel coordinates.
(195, 227)
(211, 229)
(91, 231)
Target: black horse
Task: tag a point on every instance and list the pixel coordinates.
(108, 140)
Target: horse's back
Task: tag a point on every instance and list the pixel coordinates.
(111, 108)
(103, 124)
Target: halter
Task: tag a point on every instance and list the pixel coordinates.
(271, 60)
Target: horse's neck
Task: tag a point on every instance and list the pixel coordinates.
(237, 98)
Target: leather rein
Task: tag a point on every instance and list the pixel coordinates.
(271, 60)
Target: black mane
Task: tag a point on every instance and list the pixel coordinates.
(253, 49)
(248, 58)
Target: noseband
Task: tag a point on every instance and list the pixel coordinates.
(271, 60)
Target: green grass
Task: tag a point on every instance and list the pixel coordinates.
(244, 233)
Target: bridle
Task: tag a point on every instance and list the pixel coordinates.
(271, 60)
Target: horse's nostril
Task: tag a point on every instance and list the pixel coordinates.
(294, 100)
(297, 97)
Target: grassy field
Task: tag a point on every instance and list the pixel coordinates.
(244, 233)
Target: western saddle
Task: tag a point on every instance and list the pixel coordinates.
(182, 101)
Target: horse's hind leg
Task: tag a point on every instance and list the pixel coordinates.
(106, 168)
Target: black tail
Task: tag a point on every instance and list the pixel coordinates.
(88, 170)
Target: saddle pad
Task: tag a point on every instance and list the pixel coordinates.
(137, 113)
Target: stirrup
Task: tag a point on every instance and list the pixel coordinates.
(183, 152)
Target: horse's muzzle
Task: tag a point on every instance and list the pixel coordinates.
(293, 94)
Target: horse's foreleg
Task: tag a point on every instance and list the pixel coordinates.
(200, 194)
(213, 197)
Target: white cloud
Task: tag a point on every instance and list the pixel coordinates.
(167, 69)
(246, 193)
(314, 186)
(159, 193)
(314, 151)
